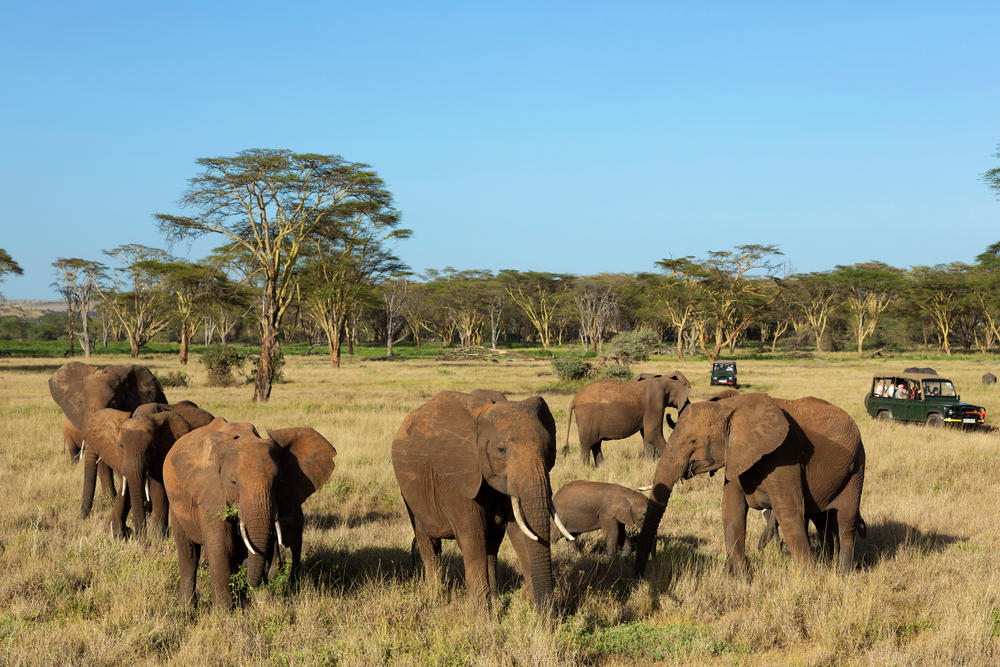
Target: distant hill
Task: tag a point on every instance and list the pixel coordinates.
(30, 308)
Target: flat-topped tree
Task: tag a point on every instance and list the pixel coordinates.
(77, 281)
(268, 204)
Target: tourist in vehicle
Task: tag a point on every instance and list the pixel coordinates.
(880, 388)
(915, 394)
(890, 389)
(902, 391)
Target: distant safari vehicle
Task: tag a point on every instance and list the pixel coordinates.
(724, 373)
(930, 399)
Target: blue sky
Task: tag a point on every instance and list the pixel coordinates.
(572, 137)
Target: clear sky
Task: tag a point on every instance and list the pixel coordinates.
(572, 137)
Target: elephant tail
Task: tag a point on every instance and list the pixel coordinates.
(569, 423)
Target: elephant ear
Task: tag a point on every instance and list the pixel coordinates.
(724, 394)
(621, 510)
(198, 460)
(141, 386)
(680, 377)
(306, 463)
(67, 386)
(441, 435)
(756, 427)
(540, 409)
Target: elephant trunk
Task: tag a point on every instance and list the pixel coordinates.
(257, 517)
(668, 471)
(534, 497)
(134, 477)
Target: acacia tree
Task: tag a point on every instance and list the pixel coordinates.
(985, 289)
(938, 291)
(869, 289)
(193, 287)
(8, 265)
(269, 204)
(136, 297)
(816, 296)
(77, 281)
(597, 309)
(679, 296)
(394, 295)
(538, 296)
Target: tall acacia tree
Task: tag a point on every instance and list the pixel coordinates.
(268, 204)
(136, 298)
(869, 289)
(8, 265)
(77, 280)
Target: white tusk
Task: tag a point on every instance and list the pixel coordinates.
(559, 523)
(147, 490)
(246, 538)
(83, 446)
(516, 504)
(645, 488)
(124, 485)
(277, 527)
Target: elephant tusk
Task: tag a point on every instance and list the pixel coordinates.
(83, 447)
(124, 485)
(559, 524)
(147, 490)
(516, 505)
(246, 538)
(277, 528)
(645, 488)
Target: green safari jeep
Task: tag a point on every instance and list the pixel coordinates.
(930, 399)
(724, 373)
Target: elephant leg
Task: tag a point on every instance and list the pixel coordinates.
(517, 540)
(219, 547)
(826, 531)
(612, 532)
(188, 555)
(430, 554)
(107, 476)
(161, 507)
(494, 538)
(292, 535)
(848, 505)
(472, 543)
(734, 522)
(89, 482)
(790, 513)
(118, 514)
(624, 543)
(598, 453)
(770, 530)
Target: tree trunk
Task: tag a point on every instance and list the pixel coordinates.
(133, 345)
(265, 365)
(185, 344)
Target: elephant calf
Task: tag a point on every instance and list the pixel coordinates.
(587, 506)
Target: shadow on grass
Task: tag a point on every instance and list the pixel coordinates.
(888, 538)
(348, 569)
(31, 368)
(328, 521)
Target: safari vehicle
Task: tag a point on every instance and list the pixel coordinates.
(724, 372)
(930, 399)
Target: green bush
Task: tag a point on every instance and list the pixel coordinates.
(571, 368)
(172, 379)
(221, 361)
(632, 346)
(617, 372)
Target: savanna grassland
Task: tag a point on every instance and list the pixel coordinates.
(927, 588)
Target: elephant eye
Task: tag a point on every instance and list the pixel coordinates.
(501, 449)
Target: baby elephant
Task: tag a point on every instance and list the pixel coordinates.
(585, 506)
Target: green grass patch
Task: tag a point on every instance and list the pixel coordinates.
(643, 641)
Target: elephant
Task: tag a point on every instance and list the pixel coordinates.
(798, 457)
(612, 410)
(134, 447)
(989, 378)
(586, 506)
(192, 414)
(81, 390)
(825, 524)
(466, 466)
(489, 395)
(240, 496)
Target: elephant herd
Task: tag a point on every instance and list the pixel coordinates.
(470, 467)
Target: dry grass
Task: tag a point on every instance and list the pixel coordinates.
(927, 588)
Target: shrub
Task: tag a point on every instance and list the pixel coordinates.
(221, 362)
(631, 346)
(172, 379)
(571, 368)
(617, 372)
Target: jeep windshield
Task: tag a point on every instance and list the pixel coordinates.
(939, 388)
(725, 367)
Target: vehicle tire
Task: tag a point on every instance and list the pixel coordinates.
(934, 419)
(883, 415)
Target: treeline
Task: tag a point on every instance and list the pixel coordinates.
(705, 306)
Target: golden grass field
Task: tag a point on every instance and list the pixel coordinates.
(927, 588)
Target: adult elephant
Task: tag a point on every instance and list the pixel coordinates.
(239, 496)
(612, 410)
(989, 378)
(798, 457)
(81, 390)
(134, 446)
(470, 469)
